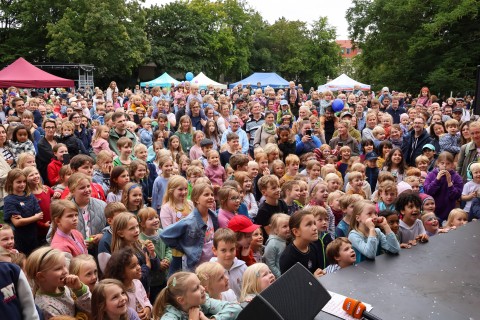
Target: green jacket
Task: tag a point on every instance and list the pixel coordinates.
(163, 252)
(186, 140)
(113, 139)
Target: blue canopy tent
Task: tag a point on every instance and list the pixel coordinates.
(165, 80)
(266, 79)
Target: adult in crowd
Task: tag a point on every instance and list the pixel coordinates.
(436, 130)
(329, 123)
(223, 122)
(81, 131)
(305, 139)
(242, 135)
(344, 138)
(45, 149)
(255, 121)
(197, 115)
(469, 151)
(395, 110)
(19, 105)
(266, 132)
(119, 130)
(110, 90)
(415, 140)
(293, 97)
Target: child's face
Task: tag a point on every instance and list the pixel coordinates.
(423, 166)
(346, 255)
(141, 172)
(199, 137)
(193, 178)
(371, 163)
(322, 194)
(346, 154)
(333, 185)
(283, 230)
(135, 197)
(142, 154)
(452, 130)
(133, 269)
(175, 143)
(394, 133)
(326, 152)
(123, 179)
(380, 135)
(445, 165)
(68, 221)
(321, 223)
(284, 135)
(294, 194)
(185, 125)
(246, 240)
(386, 122)
(247, 185)
(225, 253)
(55, 276)
(429, 205)
(388, 197)
(368, 148)
(357, 183)
(152, 223)
(115, 301)
(293, 168)
(234, 144)
(67, 131)
(303, 191)
(386, 150)
(397, 157)
(214, 159)
(307, 230)
(315, 172)
(459, 220)
(278, 170)
(7, 239)
(335, 204)
(126, 150)
(431, 224)
(393, 222)
(266, 279)
(272, 191)
(272, 156)
(415, 186)
(207, 149)
(369, 212)
(60, 152)
(257, 238)
(167, 169)
(371, 122)
(88, 274)
(33, 178)
(19, 185)
(86, 168)
(232, 203)
(180, 193)
(22, 135)
(253, 171)
(410, 213)
(262, 164)
(218, 283)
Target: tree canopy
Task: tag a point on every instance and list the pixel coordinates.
(408, 44)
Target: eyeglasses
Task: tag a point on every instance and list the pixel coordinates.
(235, 199)
(49, 128)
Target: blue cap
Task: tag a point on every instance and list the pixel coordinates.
(371, 156)
(283, 102)
(429, 146)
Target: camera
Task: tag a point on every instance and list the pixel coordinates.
(308, 132)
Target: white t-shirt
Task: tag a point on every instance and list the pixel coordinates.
(408, 233)
(207, 252)
(468, 188)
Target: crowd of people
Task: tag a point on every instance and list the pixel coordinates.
(187, 202)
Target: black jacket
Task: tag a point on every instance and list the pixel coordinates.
(413, 147)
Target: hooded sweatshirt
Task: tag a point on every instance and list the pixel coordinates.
(235, 274)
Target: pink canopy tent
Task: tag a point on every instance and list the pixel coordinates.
(23, 74)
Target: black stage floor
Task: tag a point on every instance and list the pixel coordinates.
(436, 280)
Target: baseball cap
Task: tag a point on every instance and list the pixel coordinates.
(371, 156)
(77, 108)
(385, 89)
(459, 99)
(346, 114)
(283, 102)
(429, 146)
(460, 110)
(206, 142)
(242, 224)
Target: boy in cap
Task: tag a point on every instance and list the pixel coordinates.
(244, 229)
(371, 170)
(428, 151)
(206, 145)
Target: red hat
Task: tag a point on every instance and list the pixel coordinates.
(242, 224)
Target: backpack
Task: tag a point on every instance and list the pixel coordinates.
(467, 153)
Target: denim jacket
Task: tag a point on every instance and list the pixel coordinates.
(188, 235)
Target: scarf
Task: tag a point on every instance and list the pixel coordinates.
(269, 129)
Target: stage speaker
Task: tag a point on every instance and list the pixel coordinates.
(476, 109)
(296, 295)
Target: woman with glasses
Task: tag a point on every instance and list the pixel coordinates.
(81, 131)
(45, 148)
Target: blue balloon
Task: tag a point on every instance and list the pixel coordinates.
(189, 76)
(337, 105)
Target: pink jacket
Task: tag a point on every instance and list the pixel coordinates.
(101, 144)
(217, 175)
(65, 243)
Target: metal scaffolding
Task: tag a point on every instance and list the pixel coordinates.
(85, 72)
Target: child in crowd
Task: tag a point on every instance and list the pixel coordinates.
(324, 238)
(56, 293)
(84, 164)
(224, 249)
(345, 153)
(256, 278)
(291, 192)
(214, 279)
(232, 147)
(196, 150)
(65, 236)
(334, 182)
(161, 182)
(53, 168)
(119, 178)
(278, 168)
(333, 203)
(302, 200)
(100, 141)
(214, 171)
(431, 225)
(270, 188)
(207, 146)
(371, 170)
(314, 169)
(132, 197)
(319, 197)
(414, 183)
(286, 141)
(124, 266)
(292, 163)
(85, 267)
(21, 209)
(26, 160)
(74, 145)
(471, 188)
(112, 210)
(184, 295)
(110, 301)
(102, 170)
(384, 149)
(456, 218)
(304, 232)
(445, 185)
(366, 239)
(411, 228)
(450, 141)
(21, 142)
(322, 153)
(257, 245)
(346, 203)
(151, 230)
(139, 174)
(229, 199)
(340, 254)
(7, 239)
(243, 227)
(193, 235)
(276, 242)
(393, 221)
(356, 181)
(387, 194)
(248, 200)
(175, 148)
(379, 136)
(124, 146)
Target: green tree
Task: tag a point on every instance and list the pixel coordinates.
(107, 33)
(407, 44)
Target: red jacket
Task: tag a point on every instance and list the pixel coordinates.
(53, 170)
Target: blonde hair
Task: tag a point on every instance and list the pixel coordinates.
(103, 156)
(40, 260)
(354, 175)
(292, 159)
(455, 213)
(99, 131)
(250, 281)
(334, 195)
(176, 287)
(358, 208)
(276, 220)
(30, 170)
(57, 208)
(197, 191)
(120, 223)
(77, 262)
(126, 194)
(144, 214)
(75, 180)
(173, 183)
(13, 175)
(207, 271)
(99, 299)
(22, 160)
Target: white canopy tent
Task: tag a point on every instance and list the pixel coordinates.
(203, 81)
(342, 83)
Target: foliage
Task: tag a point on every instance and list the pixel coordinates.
(407, 44)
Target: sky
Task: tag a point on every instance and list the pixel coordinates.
(304, 10)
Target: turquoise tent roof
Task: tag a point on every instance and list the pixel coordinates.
(165, 80)
(267, 79)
